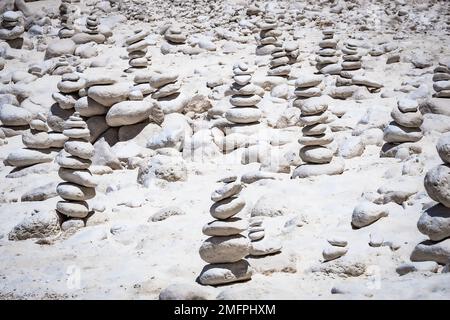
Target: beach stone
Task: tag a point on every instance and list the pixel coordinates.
(80, 149)
(87, 107)
(167, 212)
(72, 191)
(162, 167)
(216, 274)
(435, 222)
(396, 133)
(183, 291)
(11, 115)
(243, 115)
(264, 247)
(224, 249)
(437, 184)
(60, 47)
(128, 112)
(228, 227)
(226, 191)
(227, 208)
(37, 224)
(432, 251)
(82, 177)
(366, 213)
(333, 252)
(107, 95)
(74, 209)
(65, 160)
(443, 147)
(28, 157)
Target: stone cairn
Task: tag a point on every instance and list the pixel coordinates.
(244, 98)
(317, 135)
(327, 59)
(351, 63)
(175, 36)
(167, 86)
(137, 50)
(39, 145)
(66, 30)
(279, 65)
(404, 129)
(267, 36)
(307, 86)
(74, 163)
(292, 51)
(12, 28)
(92, 24)
(226, 247)
(441, 81)
(435, 221)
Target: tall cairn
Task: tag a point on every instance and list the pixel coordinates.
(244, 98)
(137, 50)
(441, 81)
(226, 247)
(316, 137)
(435, 221)
(404, 130)
(66, 30)
(327, 61)
(74, 163)
(268, 36)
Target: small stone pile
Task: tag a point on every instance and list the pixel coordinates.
(175, 36)
(12, 28)
(267, 36)
(279, 65)
(435, 221)
(350, 65)
(92, 24)
(166, 84)
(137, 50)
(66, 30)
(74, 163)
(404, 129)
(327, 61)
(260, 245)
(39, 145)
(307, 86)
(244, 98)
(226, 247)
(441, 81)
(292, 51)
(316, 136)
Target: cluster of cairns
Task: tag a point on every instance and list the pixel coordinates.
(435, 221)
(65, 11)
(317, 136)
(226, 247)
(12, 27)
(137, 48)
(307, 86)
(350, 65)
(74, 163)
(404, 130)
(441, 81)
(327, 60)
(244, 99)
(40, 145)
(267, 36)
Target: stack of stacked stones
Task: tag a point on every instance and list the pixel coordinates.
(137, 50)
(327, 59)
(70, 87)
(12, 28)
(279, 65)
(244, 98)
(74, 163)
(256, 230)
(226, 247)
(66, 30)
(315, 153)
(441, 81)
(292, 51)
(39, 145)
(307, 86)
(174, 35)
(435, 221)
(267, 36)
(406, 125)
(92, 23)
(351, 63)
